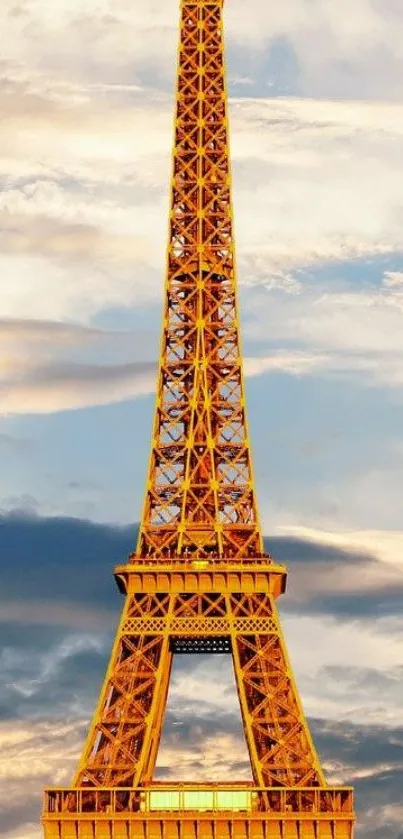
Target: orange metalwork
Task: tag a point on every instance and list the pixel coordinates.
(199, 580)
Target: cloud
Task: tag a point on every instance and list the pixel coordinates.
(385, 545)
(393, 279)
(357, 321)
(345, 573)
(33, 753)
(379, 370)
(74, 550)
(39, 372)
(349, 329)
(56, 614)
(369, 757)
(68, 387)
(295, 363)
(337, 54)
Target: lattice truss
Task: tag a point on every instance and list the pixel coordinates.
(123, 742)
(200, 496)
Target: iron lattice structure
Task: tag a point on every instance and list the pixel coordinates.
(200, 494)
(199, 580)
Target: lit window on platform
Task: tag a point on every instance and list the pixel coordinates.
(234, 799)
(198, 799)
(165, 800)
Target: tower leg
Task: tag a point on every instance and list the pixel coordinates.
(280, 746)
(123, 740)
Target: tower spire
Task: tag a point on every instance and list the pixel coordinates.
(200, 496)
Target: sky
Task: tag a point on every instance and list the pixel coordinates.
(316, 109)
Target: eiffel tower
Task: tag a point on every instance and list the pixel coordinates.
(199, 580)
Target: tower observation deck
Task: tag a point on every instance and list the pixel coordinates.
(199, 580)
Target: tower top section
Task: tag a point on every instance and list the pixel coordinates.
(200, 498)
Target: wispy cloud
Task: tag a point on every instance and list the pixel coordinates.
(346, 329)
(41, 370)
(386, 545)
(31, 753)
(68, 387)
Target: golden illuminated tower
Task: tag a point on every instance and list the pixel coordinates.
(199, 580)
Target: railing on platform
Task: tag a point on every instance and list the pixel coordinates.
(206, 563)
(170, 799)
